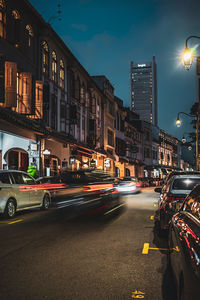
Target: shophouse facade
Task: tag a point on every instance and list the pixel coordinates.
(169, 153)
(43, 81)
(67, 118)
(109, 120)
(19, 75)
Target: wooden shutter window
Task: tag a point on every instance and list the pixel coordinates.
(39, 99)
(26, 81)
(10, 84)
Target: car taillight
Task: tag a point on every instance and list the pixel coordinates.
(172, 197)
(97, 187)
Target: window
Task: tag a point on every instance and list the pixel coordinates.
(54, 67)
(28, 179)
(185, 183)
(16, 27)
(16, 14)
(77, 89)
(62, 74)
(45, 59)
(54, 111)
(4, 178)
(2, 19)
(110, 138)
(154, 154)
(147, 153)
(110, 107)
(29, 30)
(18, 178)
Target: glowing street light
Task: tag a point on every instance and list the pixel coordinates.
(183, 140)
(178, 122)
(187, 58)
(188, 54)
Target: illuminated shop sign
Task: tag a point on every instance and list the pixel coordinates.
(72, 160)
(141, 65)
(46, 152)
(107, 163)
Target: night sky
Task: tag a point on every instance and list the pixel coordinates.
(105, 35)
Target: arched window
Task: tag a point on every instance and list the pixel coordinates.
(29, 31)
(62, 74)
(2, 19)
(83, 93)
(16, 14)
(16, 27)
(54, 67)
(45, 58)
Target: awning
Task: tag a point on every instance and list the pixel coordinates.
(84, 151)
(123, 159)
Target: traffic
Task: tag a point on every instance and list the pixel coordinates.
(91, 193)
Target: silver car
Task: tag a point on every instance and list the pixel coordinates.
(20, 191)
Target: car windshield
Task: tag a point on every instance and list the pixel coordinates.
(185, 183)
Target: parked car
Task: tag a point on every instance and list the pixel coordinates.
(173, 173)
(20, 191)
(172, 196)
(128, 185)
(84, 189)
(144, 181)
(184, 244)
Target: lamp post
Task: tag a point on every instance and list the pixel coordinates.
(188, 54)
(178, 123)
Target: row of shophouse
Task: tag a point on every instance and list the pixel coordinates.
(54, 115)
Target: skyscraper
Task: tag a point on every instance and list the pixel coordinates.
(143, 90)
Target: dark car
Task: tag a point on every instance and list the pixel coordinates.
(184, 244)
(173, 173)
(172, 196)
(144, 181)
(84, 189)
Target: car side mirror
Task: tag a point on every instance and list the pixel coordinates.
(158, 190)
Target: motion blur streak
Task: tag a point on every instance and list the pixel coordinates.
(97, 187)
(24, 188)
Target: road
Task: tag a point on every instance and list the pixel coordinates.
(55, 255)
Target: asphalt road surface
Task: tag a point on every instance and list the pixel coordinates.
(56, 255)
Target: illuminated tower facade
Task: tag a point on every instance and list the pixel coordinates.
(143, 90)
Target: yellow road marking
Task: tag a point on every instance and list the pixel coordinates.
(152, 218)
(145, 248)
(165, 249)
(16, 221)
(137, 294)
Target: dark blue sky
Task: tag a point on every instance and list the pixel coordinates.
(105, 35)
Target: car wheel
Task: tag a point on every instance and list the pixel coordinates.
(10, 210)
(46, 202)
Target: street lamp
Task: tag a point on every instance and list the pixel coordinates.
(178, 123)
(188, 53)
(184, 138)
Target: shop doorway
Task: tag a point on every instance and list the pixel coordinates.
(117, 172)
(17, 159)
(127, 172)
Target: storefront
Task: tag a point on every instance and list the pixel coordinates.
(54, 155)
(18, 152)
